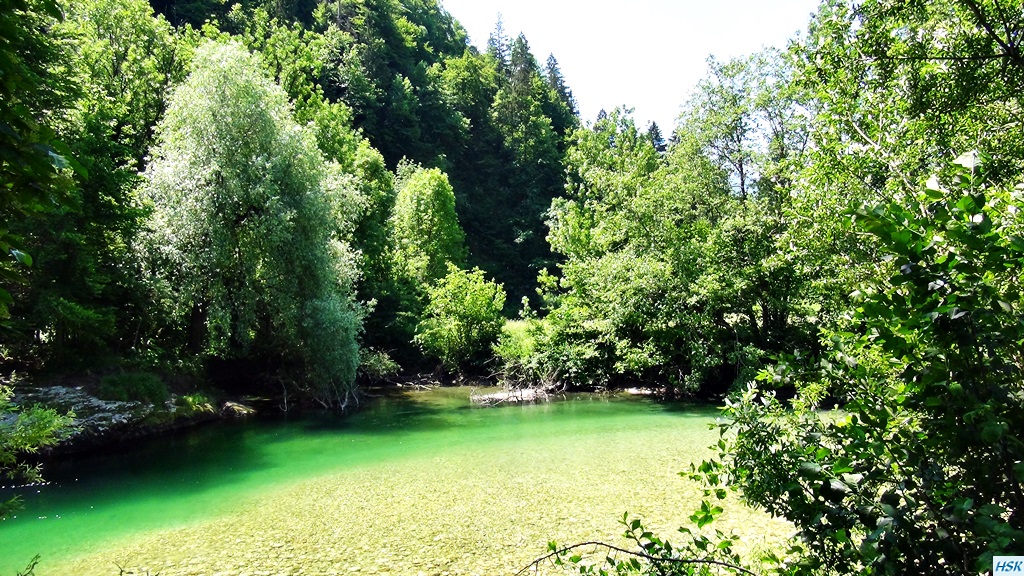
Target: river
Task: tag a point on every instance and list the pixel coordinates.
(417, 483)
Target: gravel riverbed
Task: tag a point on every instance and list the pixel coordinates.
(481, 511)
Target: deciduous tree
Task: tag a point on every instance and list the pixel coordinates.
(462, 317)
(241, 227)
(31, 159)
(426, 235)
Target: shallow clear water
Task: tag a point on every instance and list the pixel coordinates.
(434, 484)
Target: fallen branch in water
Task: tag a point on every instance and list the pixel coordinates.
(423, 385)
(654, 559)
(513, 395)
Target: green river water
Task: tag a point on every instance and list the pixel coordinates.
(420, 483)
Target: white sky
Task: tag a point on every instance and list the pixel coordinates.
(644, 54)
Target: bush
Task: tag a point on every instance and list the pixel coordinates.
(922, 473)
(462, 317)
(24, 431)
(517, 351)
(517, 342)
(134, 387)
(377, 364)
(188, 405)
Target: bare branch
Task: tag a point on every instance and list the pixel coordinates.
(974, 58)
(1011, 50)
(892, 163)
(643, 555)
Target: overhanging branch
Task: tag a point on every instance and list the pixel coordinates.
(643, 555)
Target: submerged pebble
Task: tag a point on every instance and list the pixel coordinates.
(487, 509)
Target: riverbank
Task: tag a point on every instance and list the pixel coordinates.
(102, 423)
(99, 423)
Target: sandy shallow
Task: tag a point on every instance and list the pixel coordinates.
(482, 511)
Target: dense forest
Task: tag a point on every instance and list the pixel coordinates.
(324, 193)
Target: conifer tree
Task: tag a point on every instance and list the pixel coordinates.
(557, 83)
(498, 46)
(522, 65)
(654, 135)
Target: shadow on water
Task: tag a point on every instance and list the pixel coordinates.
(156, 482)
(689, 408)
(210, 457)
(390, 412)
(183, 463)
(213, 457)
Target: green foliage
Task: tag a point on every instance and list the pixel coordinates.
(25, 431)
(399, 73)
(134, 387)
(241, 231)
(188, 405)
(377, 365)
(935, 76)
(330, 327)
(129, 60)
(749, 117)
(462, 317)
(532, 119)
(381, 72)
(894, 88)
(518, 354)
(921, 472)
(668, 276)
(83, 294)
(425, 230)
(403, 74)
(722, 119)
(610, 166)
(32, 162)
(299, 59)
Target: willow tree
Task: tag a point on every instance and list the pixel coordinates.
(240, 236)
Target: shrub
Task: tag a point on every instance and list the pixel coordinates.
(24, 431)
(517, 342)
(517, 352)
(923, 471)
(462, 317)
(190, 404)
(377, 364)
